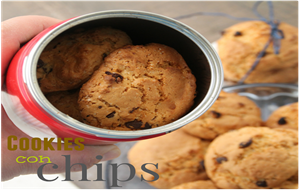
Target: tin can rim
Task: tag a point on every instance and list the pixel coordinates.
(209, 52)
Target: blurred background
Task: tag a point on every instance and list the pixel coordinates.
(209, 26)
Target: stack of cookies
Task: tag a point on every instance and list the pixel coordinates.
(240, 45)
(96, 76)
(228, 147)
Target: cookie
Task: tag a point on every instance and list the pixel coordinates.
(138, 87)
(200, 184)
(230, 111)
(70, 59)
(241, 43)
(252, 157)
(179, 157)
(66, 102)
(285, 116)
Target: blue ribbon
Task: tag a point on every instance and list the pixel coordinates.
(275, 36)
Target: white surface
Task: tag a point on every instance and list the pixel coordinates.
(32, 181)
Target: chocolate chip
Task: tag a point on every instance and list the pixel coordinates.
(108, 73)
(133, 109)
(104, 55)
(282, 121)
(147, 126)
(241, 104)
(88, 116)
(112, 114)
(245, 144)
(136, 124)
(40, 63)
(223, 32)
(237, 33)
(99, 107)
(216, 114)
(202, 164)
(118, 77)
(261, 183)
(221, 159)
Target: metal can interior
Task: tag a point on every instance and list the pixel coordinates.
(143, 28)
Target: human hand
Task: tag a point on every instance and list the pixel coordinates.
(15, 32)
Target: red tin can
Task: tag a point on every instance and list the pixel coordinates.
(29, 110)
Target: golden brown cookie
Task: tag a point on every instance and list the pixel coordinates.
(69, 60)
(200, 184)
(66, 102)
(252, 157)
(179, 157)
(230, 111)
(285, 116)
(241, 43)
(138, 87)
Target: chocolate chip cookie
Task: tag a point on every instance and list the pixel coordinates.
(179, 157)
(230, 111)
(252, 157)
(70, 59)
(66, 102)
(240, 44)
(138, 87)
(285, 116)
